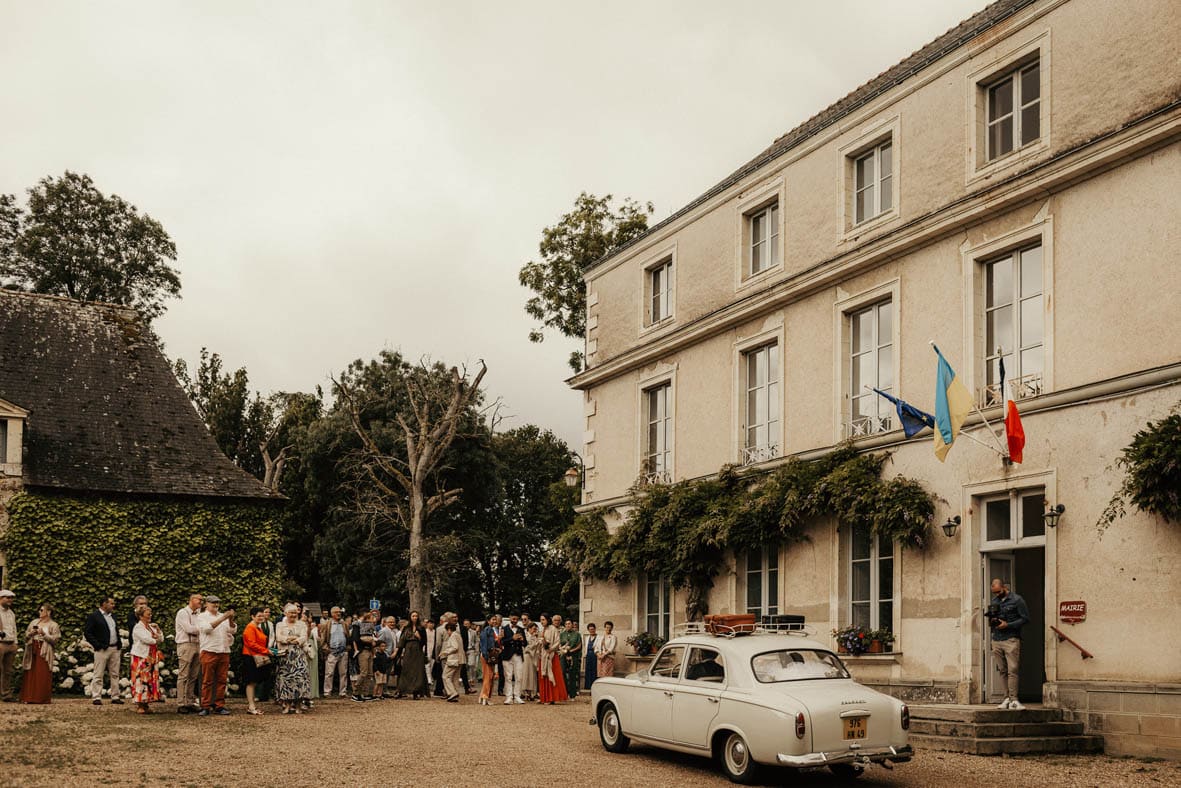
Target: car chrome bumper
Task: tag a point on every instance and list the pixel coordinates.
(895, 754)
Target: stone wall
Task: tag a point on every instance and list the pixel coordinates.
(1133, 718)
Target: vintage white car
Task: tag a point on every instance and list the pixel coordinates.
(753, 699)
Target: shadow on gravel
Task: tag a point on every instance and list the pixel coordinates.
(771, 776)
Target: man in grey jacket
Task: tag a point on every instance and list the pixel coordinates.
(1007, 614)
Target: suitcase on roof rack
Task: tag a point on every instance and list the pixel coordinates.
(730, 623)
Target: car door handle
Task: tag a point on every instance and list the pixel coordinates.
(712, 700)
(669, 694)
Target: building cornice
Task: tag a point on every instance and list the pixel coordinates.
(1153, 129)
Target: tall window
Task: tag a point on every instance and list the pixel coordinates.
(660, 287)
(1014, 324)
(871, 580)
(3, 440)
(761, 438)
(871, 363)
(1014, 111)
(762, 581)
(764, 238)
(657, 605)
(658, 437)
(873, 174)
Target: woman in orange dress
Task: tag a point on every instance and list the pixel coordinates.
(40, 638)
(550, 683)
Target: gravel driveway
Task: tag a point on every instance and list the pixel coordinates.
(418, 743)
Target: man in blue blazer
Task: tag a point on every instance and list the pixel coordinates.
(102, 634)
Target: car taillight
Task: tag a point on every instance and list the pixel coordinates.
(801, 726)
(905, 718)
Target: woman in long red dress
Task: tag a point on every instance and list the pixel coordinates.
(40, 638)
(551, 687)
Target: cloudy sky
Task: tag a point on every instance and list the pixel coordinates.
(350, 176)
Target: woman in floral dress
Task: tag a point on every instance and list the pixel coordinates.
(145, 661)
(292, 682)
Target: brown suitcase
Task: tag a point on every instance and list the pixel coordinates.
(730, 623)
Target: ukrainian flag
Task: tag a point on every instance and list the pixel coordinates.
(952, 404)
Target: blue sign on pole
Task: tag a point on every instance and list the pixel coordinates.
(375, 604)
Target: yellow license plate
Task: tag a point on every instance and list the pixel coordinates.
(856, 727)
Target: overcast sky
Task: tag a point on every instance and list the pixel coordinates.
(345, 177)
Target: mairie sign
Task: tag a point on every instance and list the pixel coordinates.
(1072, 612)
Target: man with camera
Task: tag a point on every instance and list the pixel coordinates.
(1006, 615)
(7, 646)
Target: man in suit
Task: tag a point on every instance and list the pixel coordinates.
(102, 634)
(512, 660)
(437, 654)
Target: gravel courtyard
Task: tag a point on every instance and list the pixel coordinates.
(432, 743)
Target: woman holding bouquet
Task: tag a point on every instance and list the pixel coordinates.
(40, 638)
(292, 682)
(533, 646)
(551, 684)
(145, 661)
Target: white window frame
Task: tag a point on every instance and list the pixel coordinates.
(663, 257)
(768, 566)
(1016, 112)
(875, 183)
(844, 308)
(664, 376)
(772, 334)
(666, 602)
(996, 64)
(12, 422)
(1017, 538)
(751, 203)
(868, 140)
(875, 600)
(974, 259)
(772, 448)
(1015, 371)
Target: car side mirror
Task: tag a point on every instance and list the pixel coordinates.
(643, 675)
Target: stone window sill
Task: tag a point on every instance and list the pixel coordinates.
(873, 659)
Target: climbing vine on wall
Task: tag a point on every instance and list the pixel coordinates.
(682, 531)
(1152, 474)
(69, 551)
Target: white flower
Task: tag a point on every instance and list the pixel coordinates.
(124, 683)
(233, 687)
(124, 634)
(229, 674)
(73, 660)
(88, 676)
(67, 684)
(166, 672)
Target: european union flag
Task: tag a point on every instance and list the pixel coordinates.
(913, 420)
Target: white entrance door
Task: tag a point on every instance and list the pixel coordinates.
(996, 565)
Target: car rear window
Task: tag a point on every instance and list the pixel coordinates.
(797, 665)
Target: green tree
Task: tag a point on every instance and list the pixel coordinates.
(72, 240)
(584, 235)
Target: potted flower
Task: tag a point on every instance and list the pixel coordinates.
(645, 643)
(852, 640)
(883, 639)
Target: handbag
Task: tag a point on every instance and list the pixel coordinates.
(261, 660)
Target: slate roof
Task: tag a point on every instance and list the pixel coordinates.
(950, 41)
(106, 413)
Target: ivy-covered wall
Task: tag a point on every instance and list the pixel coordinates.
(69, 551)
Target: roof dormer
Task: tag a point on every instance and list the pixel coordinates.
(12, 431)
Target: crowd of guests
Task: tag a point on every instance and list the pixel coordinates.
(297, 659)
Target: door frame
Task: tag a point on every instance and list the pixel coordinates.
(973, 686)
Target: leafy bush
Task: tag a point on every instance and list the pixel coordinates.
(1152, 481)
(70, 551)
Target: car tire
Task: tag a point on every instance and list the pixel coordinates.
(611, 730)
(846, 771)
(736, 760)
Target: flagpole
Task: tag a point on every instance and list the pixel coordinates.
(967, 435)
(1001, 450)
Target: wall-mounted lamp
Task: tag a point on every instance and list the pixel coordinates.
(950, 526)
(575, 477)
(1052, 515)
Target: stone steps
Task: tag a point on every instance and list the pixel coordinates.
(1008, 745)
(985, 730)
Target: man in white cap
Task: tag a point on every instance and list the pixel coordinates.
(217, 637)
(7, 646)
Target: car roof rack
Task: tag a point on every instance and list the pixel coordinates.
(740, 630)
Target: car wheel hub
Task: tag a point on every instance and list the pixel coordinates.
(610, 726)
(736, 754)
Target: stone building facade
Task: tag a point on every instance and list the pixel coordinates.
(1010, 186)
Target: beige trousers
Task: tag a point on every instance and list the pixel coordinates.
(451, 680)
(1006, 655)
(106, 662)
(188, 673)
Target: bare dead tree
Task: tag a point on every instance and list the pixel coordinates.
(400, 485)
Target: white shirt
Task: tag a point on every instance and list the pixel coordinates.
(186, 626)
(142, 640)
(8, 624)
(111, 626)
(219, 639)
